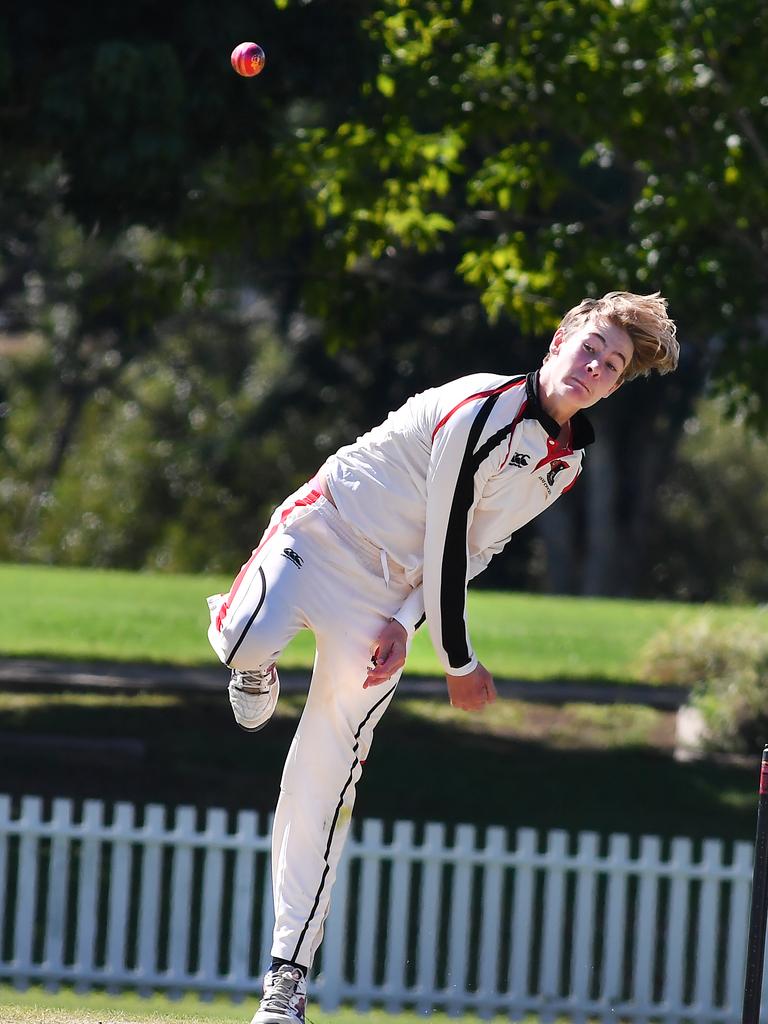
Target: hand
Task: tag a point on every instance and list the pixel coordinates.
(389, 651)
(472, 691)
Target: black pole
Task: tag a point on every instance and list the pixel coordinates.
(753, 982)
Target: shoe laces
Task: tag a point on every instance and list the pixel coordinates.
(283, 995)
(257, 680)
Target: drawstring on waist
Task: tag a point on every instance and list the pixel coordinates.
(321, 484)
(374, 557)
(384, 565)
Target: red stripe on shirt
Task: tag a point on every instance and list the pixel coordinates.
(309, 499)
(555, 453)
(556, 450)
(472, 398)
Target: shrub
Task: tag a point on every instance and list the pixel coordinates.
(726, 667)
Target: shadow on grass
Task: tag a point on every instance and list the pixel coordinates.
(190, 752)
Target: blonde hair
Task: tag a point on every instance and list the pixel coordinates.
(644, 318)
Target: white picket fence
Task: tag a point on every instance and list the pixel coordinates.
(460, 919)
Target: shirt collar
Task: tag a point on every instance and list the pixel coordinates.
(582, 433)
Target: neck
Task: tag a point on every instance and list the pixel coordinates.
(555, 405)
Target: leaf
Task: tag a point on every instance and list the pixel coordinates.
(385, 84)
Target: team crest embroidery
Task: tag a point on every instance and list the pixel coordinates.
(555, 467)
(290, 554)
(520, 459)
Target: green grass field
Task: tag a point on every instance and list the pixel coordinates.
(37, 1006)
(429, 761)
(122, 616)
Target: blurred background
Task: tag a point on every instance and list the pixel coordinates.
(208, 283)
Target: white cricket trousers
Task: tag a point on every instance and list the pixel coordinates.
(313, 570)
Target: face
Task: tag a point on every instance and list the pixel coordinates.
(588, 364)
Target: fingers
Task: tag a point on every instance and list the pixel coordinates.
(384, 668)
(389, 653)
(385, 661)
(470, 702)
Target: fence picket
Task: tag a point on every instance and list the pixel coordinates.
(119, 891)
(460, 916)
(212, 886)
(611, 988)
(677, 925)
(58, 875)
(554, 908)
(368, 912)
(26, 889)
(5, 820)
(582, 959)
(88, 886)
(459, 932)
(427, 945)
(490, 923)
(645, 929)
(736, 956)
(709, 901)
(242, 900)
(149, 896)
(397, 931)
(522, 922)
(181, 897)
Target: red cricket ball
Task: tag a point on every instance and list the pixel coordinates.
(248, 59)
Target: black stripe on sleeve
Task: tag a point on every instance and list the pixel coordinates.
(453, 582)
(483, 452)
(453, 572)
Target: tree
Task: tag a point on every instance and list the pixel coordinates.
(400, 168)
(717, 488)
(567, 149)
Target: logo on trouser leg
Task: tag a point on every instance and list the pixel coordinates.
(289, 553)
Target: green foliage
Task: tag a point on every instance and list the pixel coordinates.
(566, 148)
(591, 146)
(715, 487)
(727, 667)
(414, 192)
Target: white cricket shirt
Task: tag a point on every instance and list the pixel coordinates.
(443, 483)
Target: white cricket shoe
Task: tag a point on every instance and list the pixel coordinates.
(285, 995)
(253, 695)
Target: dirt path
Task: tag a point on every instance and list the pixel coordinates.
(23, 673)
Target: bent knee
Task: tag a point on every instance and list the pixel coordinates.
(243, 650)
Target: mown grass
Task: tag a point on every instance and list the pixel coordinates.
(38, 1006)
(609, 769)
(123, 616)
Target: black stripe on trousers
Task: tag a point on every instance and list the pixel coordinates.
(295, 956)
(248, 625)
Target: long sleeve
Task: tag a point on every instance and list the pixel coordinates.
(457, 472)
(410, 615)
